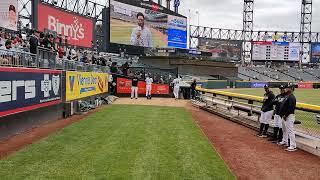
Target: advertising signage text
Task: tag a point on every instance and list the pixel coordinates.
(78, 29)
(24, 89)
(84, 84)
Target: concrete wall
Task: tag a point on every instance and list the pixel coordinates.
(194, 67)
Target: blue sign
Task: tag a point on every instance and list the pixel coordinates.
(177, 38)
(315, 52)
(258, 84)
(280, 43)
(24, 89)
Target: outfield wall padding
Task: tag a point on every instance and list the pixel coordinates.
(242, 84)
(217, 84)
(18, 123)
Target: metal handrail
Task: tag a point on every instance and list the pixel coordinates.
(300, 106)
(45, 59)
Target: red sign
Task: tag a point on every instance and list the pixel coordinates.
(305, 85)
(262, 42)
(124, 87)
(78, 29)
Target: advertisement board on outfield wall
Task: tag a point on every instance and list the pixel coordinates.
(85, 84)
(258, 84)
(305, 85)
(23, 89)
(124, 87)
(78, 29)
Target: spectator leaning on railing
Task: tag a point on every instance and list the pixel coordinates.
(34, 42)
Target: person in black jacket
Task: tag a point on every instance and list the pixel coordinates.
(34, 42)
(278, 101)
(193, 89)
(267, 112)
(134, 87)
(287, 112)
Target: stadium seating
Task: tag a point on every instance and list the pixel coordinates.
(262, 73)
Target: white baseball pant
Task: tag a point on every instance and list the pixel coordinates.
(290, 130)
(176, 90)
(266, 117)
(134, 92)
(148, 90)
(277, 121)
(285, 131)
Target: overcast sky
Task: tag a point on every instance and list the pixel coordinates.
(278, 15)
(268, 14)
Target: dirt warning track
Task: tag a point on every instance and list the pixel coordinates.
(250, 157)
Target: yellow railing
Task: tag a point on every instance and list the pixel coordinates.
(300, 106)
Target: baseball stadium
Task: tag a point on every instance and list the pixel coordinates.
(87, 104)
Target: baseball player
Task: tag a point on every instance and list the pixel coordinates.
(149, 82)
(134, 87)
(278, 101)
(267, 112)
(176, 87)
(287, 113)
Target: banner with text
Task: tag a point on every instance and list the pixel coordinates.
(78, 29)
(305, 85)
(23, 89)
(124, 87)
(85, 84)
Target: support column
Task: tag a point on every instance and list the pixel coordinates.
(305, 31)
(247, 31)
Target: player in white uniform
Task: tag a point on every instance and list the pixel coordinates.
(176, 88)
(149, 82)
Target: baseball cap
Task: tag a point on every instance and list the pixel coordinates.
(290, 85)
(266, 86)
(282, 87)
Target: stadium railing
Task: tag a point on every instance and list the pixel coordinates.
(249, 106)
(45, 59)
(17, 59)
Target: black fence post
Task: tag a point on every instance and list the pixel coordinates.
(251, 103)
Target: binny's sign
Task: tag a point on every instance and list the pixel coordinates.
(74, 31)
(78, 29)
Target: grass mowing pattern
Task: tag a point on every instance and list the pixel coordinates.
(122, 142)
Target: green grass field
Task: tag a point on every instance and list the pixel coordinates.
(309, 96)
(120, 32)
(122, 142)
